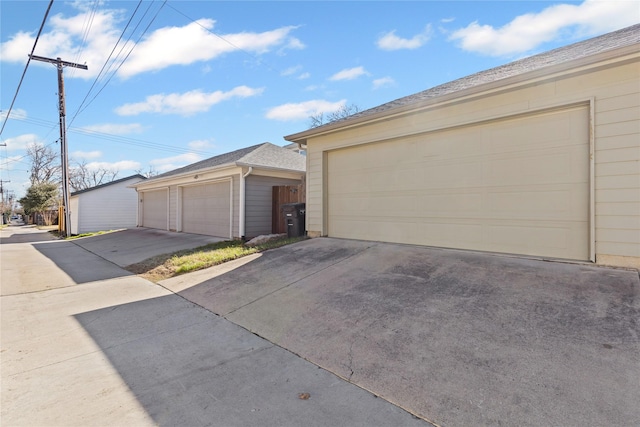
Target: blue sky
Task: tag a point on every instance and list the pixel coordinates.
(170, 83)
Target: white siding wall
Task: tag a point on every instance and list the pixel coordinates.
(173, 207)
(258, 193)
(74, 203)
(616, 95)
(236, 206)
(107, 208)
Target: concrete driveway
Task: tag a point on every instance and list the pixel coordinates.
(126, 247)
(458, 338)
(117, 350)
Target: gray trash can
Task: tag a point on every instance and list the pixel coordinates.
(294, 214)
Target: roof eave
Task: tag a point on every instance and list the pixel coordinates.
(271, 168)
(186, 174)
(609, 57)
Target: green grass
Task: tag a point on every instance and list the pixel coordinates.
(77, 236)
(169, 265)
(96, 233)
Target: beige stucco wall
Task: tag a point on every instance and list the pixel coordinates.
(613, 92)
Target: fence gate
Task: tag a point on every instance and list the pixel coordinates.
(282, 195)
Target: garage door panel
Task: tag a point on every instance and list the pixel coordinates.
(206, 209)
(501, 186)
(154, 209)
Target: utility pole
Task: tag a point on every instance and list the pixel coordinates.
(2, 195)
(59, 63)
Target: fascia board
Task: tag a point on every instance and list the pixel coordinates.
(178, 178)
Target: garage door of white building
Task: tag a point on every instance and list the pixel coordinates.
(206, 209)
(517, 185)
(154, 209)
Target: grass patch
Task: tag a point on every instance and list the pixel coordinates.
(169, 265)
(77, 236)
(96, 233)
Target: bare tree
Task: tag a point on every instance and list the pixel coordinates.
(82, 177)
(45, 164)
(151, 172)
(322, 118)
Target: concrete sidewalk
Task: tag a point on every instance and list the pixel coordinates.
(459, 338)
(123, 351)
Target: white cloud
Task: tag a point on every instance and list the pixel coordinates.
(390, 41)
(291, 70)
(64, 40)
(303, 110)
(201, 144)
(21, 142)
(447, 20)
(174, 162)
(86, 154)
(295, 70)
(383, 82)
(526, 32)
(164, 47)
(195, 42)
(185, 104)
(348, 74)
(16, 113)
(118, 166)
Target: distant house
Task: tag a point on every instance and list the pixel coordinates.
(228, 196)
(538, 157)
(109, 206)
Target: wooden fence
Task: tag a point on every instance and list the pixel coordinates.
(282, 195)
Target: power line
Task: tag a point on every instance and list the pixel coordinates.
(79, 110)
(26, 66)
(260, 60)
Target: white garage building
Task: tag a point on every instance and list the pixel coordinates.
(228, 196)
(539, 157)
(109, 206)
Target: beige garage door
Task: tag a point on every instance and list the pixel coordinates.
(206, 209)
(515, 186)
(154, 209)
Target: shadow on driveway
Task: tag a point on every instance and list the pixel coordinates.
(101, 257)
(81, 266)
(187, 366)
(459, 338)
(26, 238)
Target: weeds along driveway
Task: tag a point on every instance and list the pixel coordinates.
(459, 338)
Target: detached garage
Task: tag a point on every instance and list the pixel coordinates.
(227, 196)
(108, 206)
(540, 157)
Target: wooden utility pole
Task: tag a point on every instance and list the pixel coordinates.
(60, 64)
(2, 195)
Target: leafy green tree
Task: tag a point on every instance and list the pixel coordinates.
(41, 199)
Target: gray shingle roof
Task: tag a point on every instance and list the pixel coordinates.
(265, 155)
(610, 41)
(136, 176)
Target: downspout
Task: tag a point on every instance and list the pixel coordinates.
(242, 202)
